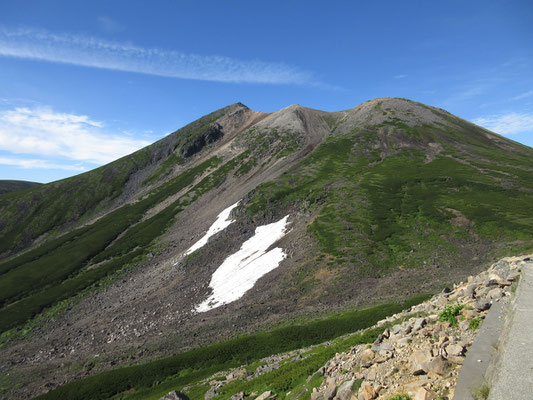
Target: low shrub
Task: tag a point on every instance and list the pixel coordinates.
(450, 313)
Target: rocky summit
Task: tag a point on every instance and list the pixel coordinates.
(248, 234)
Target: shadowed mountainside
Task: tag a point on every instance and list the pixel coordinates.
(7, 186)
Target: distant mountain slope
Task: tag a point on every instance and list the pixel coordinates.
(7, 186)
(57, 207)
(381, 202)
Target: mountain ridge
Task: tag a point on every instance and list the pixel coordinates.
(384, 201)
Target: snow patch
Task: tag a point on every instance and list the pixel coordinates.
(221, 223)
(239, 272)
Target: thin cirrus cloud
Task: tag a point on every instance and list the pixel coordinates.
(42, 132)
(522, 96)
(39, 164)
(507, 124)
(98, 53)
(109, 25)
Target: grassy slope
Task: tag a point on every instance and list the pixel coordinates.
(58, 206)
(378, 210)
(57, 269)
(27, 215)
(7, 186)
(158, 377)
(42, 277)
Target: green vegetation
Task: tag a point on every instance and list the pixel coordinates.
(402, 396)
(481, 392)
(450, 313)
(357, 385)
(22, 310)
(379, 210)
(182, 369)
(30, 213)
(165, 167)
(246, 167)
(54, 271)
(49, 209)
(7, 186)
(270, 142)
(293, 375)
(475, 323)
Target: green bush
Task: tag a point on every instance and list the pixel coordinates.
(450, 313)
(357, 385)
(475, 323)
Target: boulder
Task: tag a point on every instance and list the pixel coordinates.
(513, 276)
(317, 396)
(417, 360)
(419, 324)
(459, 360)
(264, 395)
(174, 395)
(482, 305)
(210, 393)
(403, 342)
(423, 394)
(470, 291)
(368, 392)
(464, 325)
(395, 330)
(382, 347)
(330, 392)
(367, 357)
(437, 365)
(344, 392)
(372, 374)
(455, 350)
(495, 293)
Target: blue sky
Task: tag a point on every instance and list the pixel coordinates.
(83, 83)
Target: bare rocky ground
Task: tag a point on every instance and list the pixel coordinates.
(423, 355)
(419, 354)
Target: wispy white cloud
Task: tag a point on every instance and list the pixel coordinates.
(400, 76)
(522, 96)
(465, 94)
(109, 25)
(507, 124)
(44, 132)
(98, 53)
(39, 164)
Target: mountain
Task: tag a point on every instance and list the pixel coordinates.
(306, 212)
(11, 186)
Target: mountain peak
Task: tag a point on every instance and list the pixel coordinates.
(379, 202)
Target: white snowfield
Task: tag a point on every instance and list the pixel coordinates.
(221, 223)
(241, 270)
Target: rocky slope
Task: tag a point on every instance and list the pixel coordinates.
(423, 355)
(419, 353)
(383, 201)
